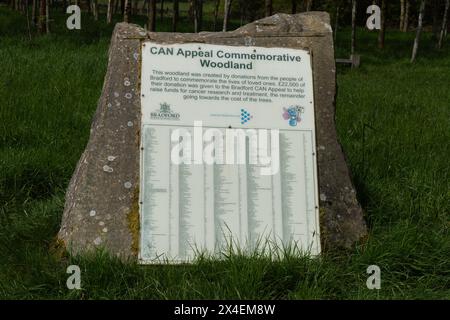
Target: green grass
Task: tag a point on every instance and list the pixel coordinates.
(393, 120)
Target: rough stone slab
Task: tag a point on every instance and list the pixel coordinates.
(100, 207)
(114, 141)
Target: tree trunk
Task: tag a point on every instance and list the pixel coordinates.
(47, 17)
(293, 6)
(406, 19)
(242, 15)
(125, 11)
(216, 14)
(336, 23)
(435, 16)
(176, 13)
(33, 13)
(226, 13)
(95, 9)
(194, 14)
(191, 10)
(353, 44)
(27, 4)
(134, 9)
(444, 25)
(199, 13)
(268, 7)
(109, 12)
(42, 17)
(122, 7)
(142, 9)
(116, 6)
(151, 15)
(308, 5)
(419, 31)
(402, 14)
(161, 11)
(382, 32)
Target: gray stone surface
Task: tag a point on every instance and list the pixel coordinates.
(102, 198)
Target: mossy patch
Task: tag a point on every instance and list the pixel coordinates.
(133, 222)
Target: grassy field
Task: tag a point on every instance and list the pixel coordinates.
(393, 120)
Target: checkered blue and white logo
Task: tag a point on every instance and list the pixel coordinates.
(245, 116)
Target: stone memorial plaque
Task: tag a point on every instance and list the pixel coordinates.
(136, 203)
(259, 99)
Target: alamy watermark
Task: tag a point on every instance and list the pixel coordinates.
(374, 20)
(258, 147)
(74, 20)
(374, 280)
(74, 280)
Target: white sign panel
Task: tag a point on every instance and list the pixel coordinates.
(227, 151)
